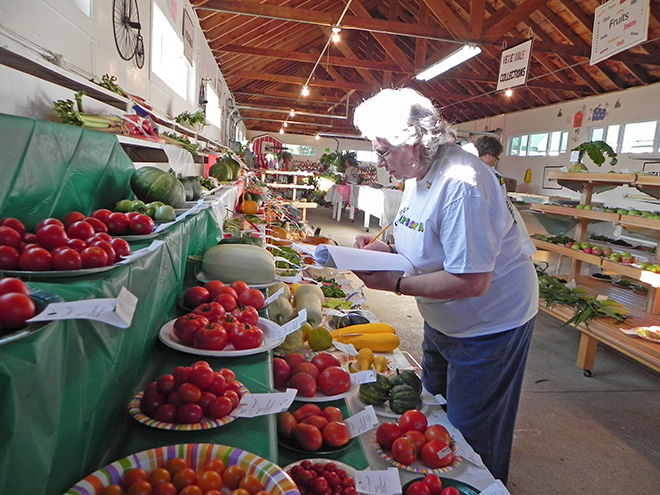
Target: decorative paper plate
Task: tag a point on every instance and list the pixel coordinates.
(41, 299)
(206, 424)
(141, 237)
(291, 444)
(651, 333)
(273, 478)
(204, 279)
(418, 466)
(271, 340)
(59, 273)
(385, 412)
(463, 488)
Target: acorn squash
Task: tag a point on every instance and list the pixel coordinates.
(403, 398)
(152, 184)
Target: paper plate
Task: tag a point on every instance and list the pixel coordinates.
(651, 333)
(58, 273)
(291, 444)
(273, 478)
(271, 340)
(204, 279)
(418, 466)
(141, 237)
(463, 488)
(206, 424)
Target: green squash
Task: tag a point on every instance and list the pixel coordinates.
(410, 378)
(192, 186)
(225, 169)
(244, 238)
(376, 393)
(403, 398)
(152, 184)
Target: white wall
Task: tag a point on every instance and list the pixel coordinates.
(48, 29)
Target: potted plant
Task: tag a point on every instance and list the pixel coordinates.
(596, 151)
(195, 120)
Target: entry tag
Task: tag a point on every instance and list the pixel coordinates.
(292, 326)
(575, 156)
(252, 405)
(368, 376)
(496, 488)
(347, 348)
(273, 296)
(133, 255)
(385, 482)
(362, 422)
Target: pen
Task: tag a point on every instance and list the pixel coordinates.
(379, 234)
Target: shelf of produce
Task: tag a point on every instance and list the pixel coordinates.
(648, 185)
(579, 181)
(576, 212)
(288, 186)
(607, 331)
(564, 251)
(638, 221)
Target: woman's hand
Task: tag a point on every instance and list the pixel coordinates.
(362, 242)
(381, 280)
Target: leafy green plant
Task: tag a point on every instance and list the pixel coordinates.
(597, 151)
(197, 118)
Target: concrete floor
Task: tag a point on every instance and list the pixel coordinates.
(574, 435)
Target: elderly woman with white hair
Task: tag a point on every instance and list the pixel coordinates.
(474, 283)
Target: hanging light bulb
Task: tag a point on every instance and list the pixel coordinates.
(508, 93)
(292, 113)
(305, 90)
(281, 130)
(335, 34)
(317, 137)
(286, 124)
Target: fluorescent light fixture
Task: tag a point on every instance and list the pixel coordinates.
(464, 53)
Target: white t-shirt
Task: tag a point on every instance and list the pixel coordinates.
(457, 219)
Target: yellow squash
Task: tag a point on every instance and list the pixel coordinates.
(364, 328)
(377, 342)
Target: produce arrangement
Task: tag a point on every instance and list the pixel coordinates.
(402, 392)
(16, 306)
(321, 476)
(322, 374)
(432, 484)
(313, 428)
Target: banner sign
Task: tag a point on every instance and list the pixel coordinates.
(514, 65)
(619, 25)
(188, 37)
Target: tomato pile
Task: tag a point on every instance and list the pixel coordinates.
(311, 428)
(322, 478)
(413, 437)
(222, 314)
(16, 307)
(190, 393)
(176, 477)
(73, 243)
(322, 373)
(430, 485)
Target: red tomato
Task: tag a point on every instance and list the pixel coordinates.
(211, 285)
(117, 223)
(51, 236)
(239, 286)
(250, 483)
(212, 311)
(30, 238)
(159, 475)
(36, 259)
(230, 322)
(418, 488)
(224, 289)
(48, 221)
(101, 214)
(233, 476)
(246, 336)
(15, 309)
(437, 432)
(99, 236)
(141, 224)
(252, 297)
(218, 385)
(281, 372)
(195, 296)
(14, 223)
(324, 360)
(221, 407)
(175, 464)
(71, 218)
(80, 230)
(164, 488)
(99, 226)
(94, 257)
(188, 392)
(332, 413)
(9, 257)
(151, 402)
(189, 412)
(209, 480)
(229, 375)
(334, 380)
(11, 284)
(247, 314)
(232, 396)
(386, 433)
(450, 490)
(417, 437)
(336, 434)
(186, 326)
(304, 383)
(109, 250)
(77, 244)
(67, 259)
(434, 483)
(201, 375)
(309, 437)
(166, 384)
(121, 246)
(227, 301)
(286, 421)
(132, 476)
(403, 451)
(182, 374)
(212, 337)
(10, 237)
(413, 420)
(205, 401)
(184, 477)
(437, 454)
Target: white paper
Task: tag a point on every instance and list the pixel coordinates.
(117, 312)
(368, 376)
(378, 482)
(252, 405)
(347, 348)
(133, 255)
(273, 296)
(292, 325)
(360, 260)
(496, 488)
(470, 456)
(362, 422)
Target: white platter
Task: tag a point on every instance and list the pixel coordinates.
(59, 273)
(142, 237)
(271, 340)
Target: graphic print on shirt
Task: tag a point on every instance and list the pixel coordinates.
(409, 222)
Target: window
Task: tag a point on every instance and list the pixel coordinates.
(167, 60)
(638, 137)
(213, 110)
(558, 143)
(609, 134)
(514, 149)
(538, 144)
(367, 156)
(523, 145)
(301, 150)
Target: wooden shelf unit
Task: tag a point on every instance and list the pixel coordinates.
(291, 186)
(644, 309)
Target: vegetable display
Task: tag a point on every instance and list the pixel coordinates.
(152, 184)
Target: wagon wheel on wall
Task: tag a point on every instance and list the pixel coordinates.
(126, 28)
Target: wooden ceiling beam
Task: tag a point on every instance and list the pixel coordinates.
(498, 30)
(448, 18)
(262, 76)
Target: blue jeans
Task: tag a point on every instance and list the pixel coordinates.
(481, 378)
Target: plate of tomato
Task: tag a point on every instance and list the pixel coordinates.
(417, 466)
(210, 466)
(139, 237)
(271, 339)
(439, 484)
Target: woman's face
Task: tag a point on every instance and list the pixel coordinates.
(397, 160)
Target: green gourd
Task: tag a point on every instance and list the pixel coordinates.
(228, 263)
(403, 398)
(192, 186)
(408, 377)
(280, 310)
(152, 184)
(310, 297)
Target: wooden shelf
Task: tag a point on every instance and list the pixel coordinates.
(576, 212)
(648, 185)
(578, 181)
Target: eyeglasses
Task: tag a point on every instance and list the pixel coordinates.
(382, 154)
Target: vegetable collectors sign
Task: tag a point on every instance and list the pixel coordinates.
(514, 66)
